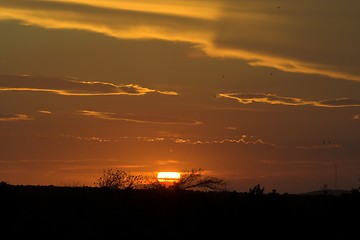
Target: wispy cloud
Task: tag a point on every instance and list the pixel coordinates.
(319, 146)
(194, 9)
(70, 87)
(41, 166)
(88, 139)
(356, 117)
(137, 119)
(287, 39)
(231, 128)
(249, 98)
(298, 162)
(14, 117)
(165, 162)
(244, 139)
(45, 112)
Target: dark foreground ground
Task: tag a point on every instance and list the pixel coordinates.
(48, 212)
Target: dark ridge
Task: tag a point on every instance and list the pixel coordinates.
(50, 212)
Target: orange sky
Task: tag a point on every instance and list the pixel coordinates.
(253, 92)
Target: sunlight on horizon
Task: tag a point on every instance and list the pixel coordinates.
(252, 91)
(168, 177)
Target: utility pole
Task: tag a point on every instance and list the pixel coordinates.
(335, 166)
(335, 180)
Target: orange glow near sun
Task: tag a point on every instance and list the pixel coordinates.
(168, 177)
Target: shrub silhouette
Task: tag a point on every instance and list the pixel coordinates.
(257, 190)
(120, 179)
(324, 189)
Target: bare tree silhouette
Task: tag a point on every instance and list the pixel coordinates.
(189, 180)
(195, 180)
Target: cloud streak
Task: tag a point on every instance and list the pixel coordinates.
(287, 39)
(324, 146)
(137, 119)
(14, 117)
(44, 112)
(356, 117)
(272, 99)
(70, 87)
(194, 9)
(244, 139)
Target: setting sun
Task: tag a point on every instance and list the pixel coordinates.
(155, 87)
(168, 177)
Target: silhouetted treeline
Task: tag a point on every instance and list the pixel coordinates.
(49, 212)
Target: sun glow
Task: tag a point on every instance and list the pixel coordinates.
(168, 177)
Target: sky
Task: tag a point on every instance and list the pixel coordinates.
(251, 91)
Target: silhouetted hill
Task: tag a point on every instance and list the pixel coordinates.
(334, 192)
(49, 212)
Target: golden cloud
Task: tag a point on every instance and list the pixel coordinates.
(249, 98)
(137, 119)
(70, 87)
(259, 33)
(14, 117)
